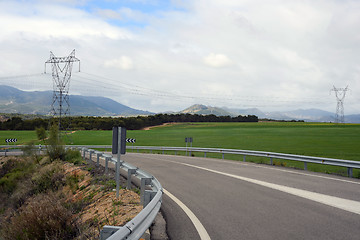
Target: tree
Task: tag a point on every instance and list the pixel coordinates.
(41, 133)
(55, 147)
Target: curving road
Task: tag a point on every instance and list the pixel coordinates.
(236, 200)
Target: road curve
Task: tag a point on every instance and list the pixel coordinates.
(236, 200)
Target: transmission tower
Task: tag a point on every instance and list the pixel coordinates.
(61, 73)
(340, 96)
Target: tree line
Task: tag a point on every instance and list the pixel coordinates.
(106, 123)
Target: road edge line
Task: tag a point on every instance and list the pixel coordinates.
(196, 222)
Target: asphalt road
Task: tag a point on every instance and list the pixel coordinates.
(236, 200)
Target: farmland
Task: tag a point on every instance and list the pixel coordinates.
(313, 139)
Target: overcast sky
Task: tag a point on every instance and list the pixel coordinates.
(165, 55)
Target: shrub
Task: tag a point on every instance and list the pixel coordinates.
(17, 170)
(55, 147)
(29, 150)
(43, 217)
(49, 177)
(73, 156)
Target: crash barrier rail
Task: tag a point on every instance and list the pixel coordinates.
(150, 194)
(349, 164)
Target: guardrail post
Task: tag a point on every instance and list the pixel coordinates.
(204, 154)
(130, 172)
(305, 165)
(84, 151)
(143, 183)
(244, 158)
(98, 155)
(271, 161)
(175, 153)
(90, 154)
(107, 164)
(148, 195)
(350, 172)
(223, 155)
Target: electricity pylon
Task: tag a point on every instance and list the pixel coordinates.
(61, 73)
(340, 96)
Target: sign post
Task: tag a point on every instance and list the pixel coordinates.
(118, 147)
(9, 140)
(190, 140)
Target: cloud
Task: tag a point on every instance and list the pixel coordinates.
(192, 51)
(124, 63)
(217, 60)
(109, 14)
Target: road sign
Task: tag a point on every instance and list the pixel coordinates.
(119, 137)
(9, 140)
(130, 140)
(188, 139)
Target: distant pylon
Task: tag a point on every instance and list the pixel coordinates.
(340, 96)
(61, 73)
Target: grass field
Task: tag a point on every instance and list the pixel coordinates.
(313, 139)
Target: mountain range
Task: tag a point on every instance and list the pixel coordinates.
(13, 100)
(308, 115)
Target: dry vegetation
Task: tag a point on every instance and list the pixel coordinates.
(44, 199)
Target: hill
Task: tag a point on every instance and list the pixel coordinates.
(13, 100)
(206, 110)
(308, 115)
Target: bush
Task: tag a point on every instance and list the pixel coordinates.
(73, 156)
(17, 170)
(55, 147)
(49, 177)
(43, 217)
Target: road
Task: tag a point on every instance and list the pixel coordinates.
(236, 200)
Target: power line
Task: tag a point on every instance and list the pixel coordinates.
(61, 73)
(90, 81)
(340, 96)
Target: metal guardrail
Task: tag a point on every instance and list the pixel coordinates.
(349, 164)
(150, 193)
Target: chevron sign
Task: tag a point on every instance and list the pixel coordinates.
(131, 140)
(9, 140)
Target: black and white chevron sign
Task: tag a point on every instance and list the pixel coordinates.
(131, 140)
(9, 140)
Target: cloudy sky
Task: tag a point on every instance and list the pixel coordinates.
(165, 55)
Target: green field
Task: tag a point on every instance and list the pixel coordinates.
(313, 139)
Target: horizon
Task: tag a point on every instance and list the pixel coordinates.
(226, 108)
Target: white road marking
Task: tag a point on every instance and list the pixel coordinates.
(199, 227)
(277, 169)
(283, 170)
(341, 203)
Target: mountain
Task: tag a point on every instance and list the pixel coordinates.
(206, 110)
(248, 111)
(315, 115)
(308, 115)
(13, 100)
